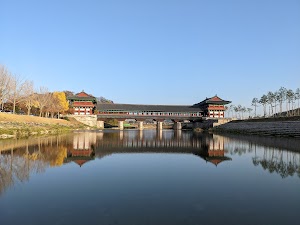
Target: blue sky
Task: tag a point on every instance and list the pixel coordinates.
(154, 51)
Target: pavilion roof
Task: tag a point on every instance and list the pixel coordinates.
(217, 159)
(149, 108)
(213, 100)
(80, 160)
(82, 96)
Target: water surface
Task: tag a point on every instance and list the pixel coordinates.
(148, 177)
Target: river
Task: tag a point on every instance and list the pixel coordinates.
(149, 177)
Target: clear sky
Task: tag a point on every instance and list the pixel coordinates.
(154, 51)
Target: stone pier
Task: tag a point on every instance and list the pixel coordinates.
(141, 125)
(159, 125)
(177, 134)
(121, 125)
(121, 134)
(100, 124)
(140, 135)
(177, 126)
(159, 134)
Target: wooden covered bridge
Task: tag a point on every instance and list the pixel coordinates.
(84, 104)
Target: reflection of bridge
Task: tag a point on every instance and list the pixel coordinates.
(100, 144)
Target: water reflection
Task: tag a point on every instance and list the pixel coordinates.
(83, 148)
(134, 177)
(21, 158)
(275, 155)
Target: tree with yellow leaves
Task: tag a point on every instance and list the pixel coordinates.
(61, 103)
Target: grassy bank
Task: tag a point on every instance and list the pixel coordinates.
(16, 126)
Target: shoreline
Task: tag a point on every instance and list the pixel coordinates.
(276, 128)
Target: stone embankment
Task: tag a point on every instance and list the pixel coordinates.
(265, 128)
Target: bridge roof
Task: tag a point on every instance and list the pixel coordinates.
(149, 108)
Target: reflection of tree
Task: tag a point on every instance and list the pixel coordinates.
(17, 164)
(281, 162)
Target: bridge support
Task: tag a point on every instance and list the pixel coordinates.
(159, 125)
(121, 125)
(177, 134)
(177, 126)
(159, 135)
(121, 135)
(100, 124)
(141, 125)
(140, 135)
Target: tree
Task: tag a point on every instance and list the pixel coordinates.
(62, 103)
(276, 99)
(104, 100)
(243, 110)
(68, 93)
(29, 96)
(52, 105)
(263, 101)
(43, 98)
(281, 97)
(270, 100)
(16, 91)
(297, 97)
(249, 111)
(290, 99)
(236, 109)
(255, 104)
(230, 109)
(5, 79)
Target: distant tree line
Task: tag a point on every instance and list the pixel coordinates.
(19, 96)
(283, 102)
(238, 111)
(104, 100)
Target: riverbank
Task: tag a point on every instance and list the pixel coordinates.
(273, 127)
(17, 126)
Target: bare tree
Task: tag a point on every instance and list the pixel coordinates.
(43, 98)
(53, 105)
(5, 79)
(16, 91)
(29, 96)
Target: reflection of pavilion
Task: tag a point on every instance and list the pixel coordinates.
(83, 148)
(214, 153)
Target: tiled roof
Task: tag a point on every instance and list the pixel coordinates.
(149, 108)
(83, 94)
(83, 104)
(215, 99)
